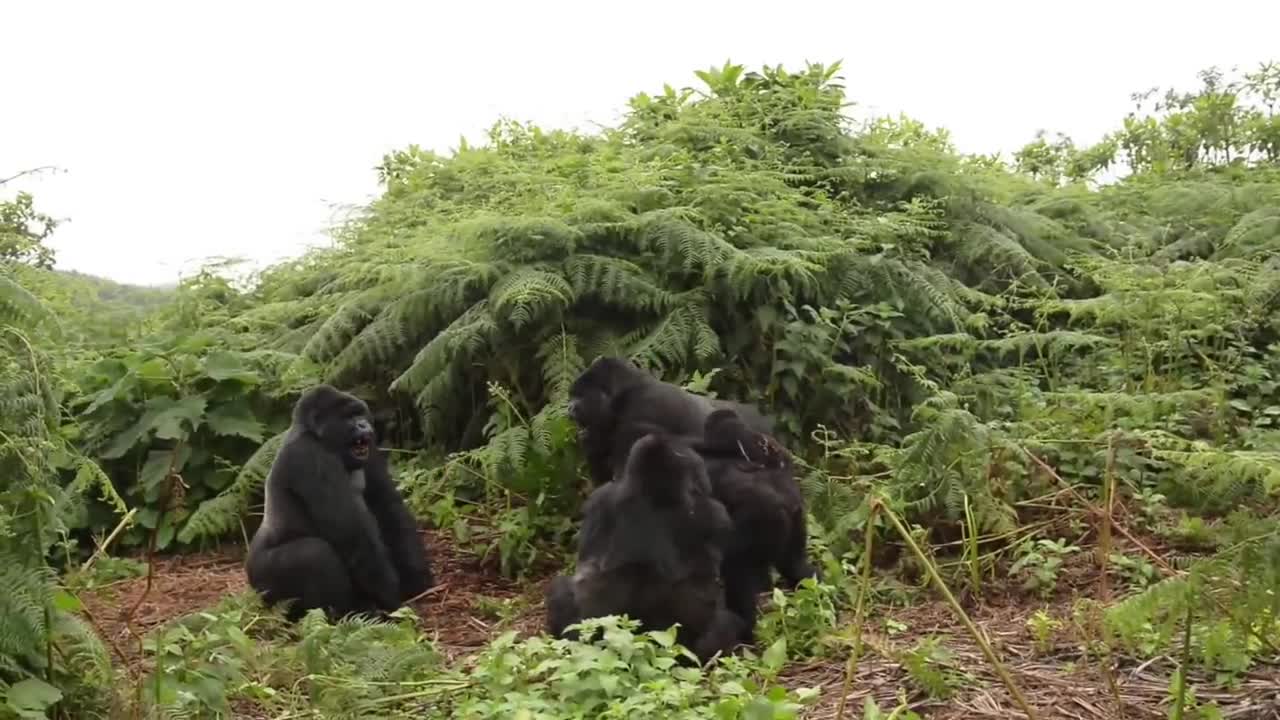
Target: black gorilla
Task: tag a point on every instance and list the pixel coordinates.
(335, 531)
(650, 548)
(615, 403)
(752, 475)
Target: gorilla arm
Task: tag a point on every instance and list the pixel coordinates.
(398, 528)
(339, 515)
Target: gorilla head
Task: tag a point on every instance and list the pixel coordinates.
(614, 404)
(667, 473)
(725, 433)
(592, 393)
(341, 422)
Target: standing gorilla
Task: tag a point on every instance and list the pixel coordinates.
(614, 403)
(650, 548)
(335, 532)
(752, 475)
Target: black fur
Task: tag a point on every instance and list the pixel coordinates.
(753, 476)
(335, 532)
(614, 403)
(650, 548)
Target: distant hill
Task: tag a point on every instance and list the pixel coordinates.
(144, 297)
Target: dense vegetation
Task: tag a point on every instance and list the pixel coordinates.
(986, 367)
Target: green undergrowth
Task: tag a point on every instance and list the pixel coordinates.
(235, 656)
(997, 377)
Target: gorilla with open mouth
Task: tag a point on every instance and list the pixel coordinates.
(335, 532)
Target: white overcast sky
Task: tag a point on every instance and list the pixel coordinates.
(189, 130)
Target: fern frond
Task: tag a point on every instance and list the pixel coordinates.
(18, 306)
(1054, 343)
(530, 296)
(1257, 234)
(344, 324)
(618, 282)
(561, 364)
(684, 337)
(989, 252)
(678, 242)
(465, 336)
(219, 515)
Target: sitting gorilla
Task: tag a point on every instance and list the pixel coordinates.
(752, 475)
(650, 549)
(614, 403)
(335, 531)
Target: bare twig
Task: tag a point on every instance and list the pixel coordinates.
(31, 171)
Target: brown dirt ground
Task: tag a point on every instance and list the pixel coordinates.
(1061, 684)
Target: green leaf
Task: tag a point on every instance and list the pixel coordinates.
(30, 698)
(223, 365)
(164, 416)
(169, 422)
(235, 418)
(147, 517)
(156, 469)
(106, 395)
(776, 656)
(732, 687)
(67, 602)
(164, 535)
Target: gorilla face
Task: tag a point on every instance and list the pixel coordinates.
(361, 432)
(593, 391)
(342, 422)
(588, 408)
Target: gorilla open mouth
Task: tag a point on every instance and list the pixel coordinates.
(360, 448)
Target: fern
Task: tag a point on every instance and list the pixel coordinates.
(22, 608)
(617, 282)
(531, 296)
(1243, 580)
(220, 514)
(37, 639)
(947, 460)
(17, 304)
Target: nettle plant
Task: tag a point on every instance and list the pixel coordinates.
(172, 425)
(617, 672)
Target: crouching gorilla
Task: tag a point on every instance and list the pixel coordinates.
(335, 532)
(753, 476)
(650, 548)
(615, 403)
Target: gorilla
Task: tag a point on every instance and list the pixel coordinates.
(335, 531)
(753, 476)
(614, 403)
(650, 547)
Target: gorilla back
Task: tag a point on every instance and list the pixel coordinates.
(753, 476)
(650, 548)
(335, 532)
(615, 403)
